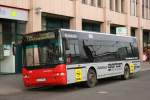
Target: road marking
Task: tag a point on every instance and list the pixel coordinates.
(102, 92)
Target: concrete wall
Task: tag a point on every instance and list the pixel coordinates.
(24, 4)
(133, 21)
(146, 24)
(59, 7)
(92, 13)
(117, 18)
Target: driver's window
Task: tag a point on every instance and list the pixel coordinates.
(32, 55)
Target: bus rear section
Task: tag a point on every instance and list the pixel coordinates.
(43, 59)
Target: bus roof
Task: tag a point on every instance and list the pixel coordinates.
(90, 32)
(88, 35)
(70, 30)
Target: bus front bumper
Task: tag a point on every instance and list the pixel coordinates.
(44, 81)
(45, 77)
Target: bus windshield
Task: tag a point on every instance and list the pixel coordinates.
(42, 53)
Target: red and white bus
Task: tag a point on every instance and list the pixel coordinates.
(63, 56)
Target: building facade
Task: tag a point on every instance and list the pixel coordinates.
(24, 16)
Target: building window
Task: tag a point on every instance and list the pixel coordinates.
(84, 1)
(133, 7)
(149, 10)
(111, 4)
(133, 32)
(143, 11)
(116, 5)
(122, 6)
(89, 26)
(21, 27)
(43, 23)
(146, 40)
(146, 9)
(99, 3)
(146, 5)
(92, 2)
(112, 29)
(53, 23)
(10, 30)
(137, 12)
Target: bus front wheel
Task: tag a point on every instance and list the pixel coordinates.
(91, 78)
(126, 75)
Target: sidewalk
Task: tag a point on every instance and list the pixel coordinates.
(10, 84)
(145, 66)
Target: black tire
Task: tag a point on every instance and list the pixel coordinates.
(126, 75)
(91, 78)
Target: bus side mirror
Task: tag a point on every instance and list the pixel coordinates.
(66, 44)
(14, 49)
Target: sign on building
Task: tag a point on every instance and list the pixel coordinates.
(121, 31)
(15, 14)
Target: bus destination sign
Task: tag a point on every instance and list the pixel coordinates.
(40, 36)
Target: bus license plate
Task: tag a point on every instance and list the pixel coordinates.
(41, 79)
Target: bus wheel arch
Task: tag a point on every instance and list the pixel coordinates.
(126, 74)
(91, 77)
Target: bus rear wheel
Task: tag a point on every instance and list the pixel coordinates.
(91, 78)
(126, 75)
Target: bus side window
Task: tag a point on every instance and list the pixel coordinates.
(122, 51)
(88, 52)
(72, 51)
(134, 49)
(100, 50)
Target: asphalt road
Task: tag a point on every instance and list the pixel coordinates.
(137, 88)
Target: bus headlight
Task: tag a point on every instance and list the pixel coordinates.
(26, 76)
(60, 74)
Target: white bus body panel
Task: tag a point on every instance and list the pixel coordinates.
(103, 69)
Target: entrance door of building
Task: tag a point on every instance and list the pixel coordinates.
(11, 63)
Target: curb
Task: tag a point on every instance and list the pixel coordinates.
(146, 69)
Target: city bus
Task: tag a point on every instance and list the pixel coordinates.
(64, 56)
